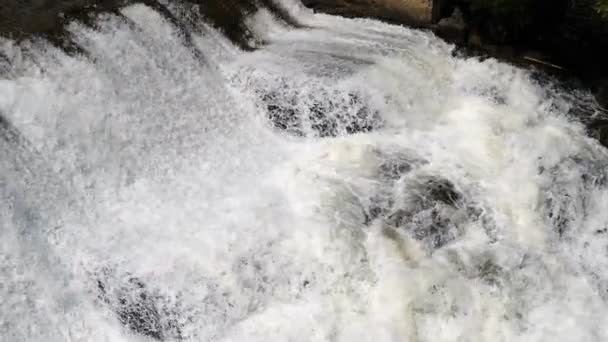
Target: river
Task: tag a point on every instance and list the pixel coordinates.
(347, 180)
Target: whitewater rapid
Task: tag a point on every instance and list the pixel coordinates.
(348, 180)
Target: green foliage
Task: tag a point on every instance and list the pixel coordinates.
(601, 6)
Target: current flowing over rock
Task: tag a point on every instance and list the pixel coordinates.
(291, 176)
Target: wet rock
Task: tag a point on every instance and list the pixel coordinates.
(599, 129)
(569, 34)
(567, 194)
(395, 168)
(23, 18)
(441, 190)
(329, 114)
(560, 211)
(47, 18)
(228, 16)
(430, 211)
(411, 12)
(601, 94)
(5, 65)
(603, 135)
(454, 28)
(9, 133)
(139, 308)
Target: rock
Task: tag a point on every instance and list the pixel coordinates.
(139, 308)
(324, 113)
(411, 12)
(454, 28)
(601, 95)
(21, 19)
(393, 169)
(603, 135)
(599, 130)
(429, 212)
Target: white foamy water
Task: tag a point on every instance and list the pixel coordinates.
(347, 181)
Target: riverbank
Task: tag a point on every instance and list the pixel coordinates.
(568, 37)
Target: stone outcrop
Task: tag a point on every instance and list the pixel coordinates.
(454, 28)
(24, 17)
(412, 12)
(47, 18)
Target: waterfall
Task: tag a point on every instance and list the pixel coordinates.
(292, 177)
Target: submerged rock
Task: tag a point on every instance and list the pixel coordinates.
(394, 168)
(566, 199)
(429, 212)
(139, 308)
(47, 18)
(328, 113)
(427, 208)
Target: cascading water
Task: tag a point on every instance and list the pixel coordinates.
(348, 180)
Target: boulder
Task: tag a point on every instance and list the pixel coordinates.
(454, 28)
(411, 12)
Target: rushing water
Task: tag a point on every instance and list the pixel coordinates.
(348, 180)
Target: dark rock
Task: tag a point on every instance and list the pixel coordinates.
(453, 29)
(599, 129)
(603, 135)
(395, 168)
(430, 212)
(22, 19)
(139, 308)
(568, 34)
(571, 180)
(474, 40)
(19, 18)
(326, 114)
(441, 190)
(411, 12)
(601, 95)
(10, 134)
